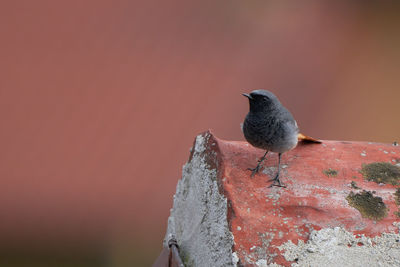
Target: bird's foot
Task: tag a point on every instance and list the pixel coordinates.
(258, 167)
(254, 170)
(276, 182)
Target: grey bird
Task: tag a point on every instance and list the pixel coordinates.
(269, 126)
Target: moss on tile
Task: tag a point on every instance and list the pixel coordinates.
(330, 172)
(369, 206)
(381, 172)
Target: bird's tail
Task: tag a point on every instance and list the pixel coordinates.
(304, 138)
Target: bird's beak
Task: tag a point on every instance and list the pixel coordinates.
(248, 96)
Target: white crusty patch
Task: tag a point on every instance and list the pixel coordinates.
(338, 247)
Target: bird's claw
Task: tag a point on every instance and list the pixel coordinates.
(277, 185)
(276, 180)
(254, 170)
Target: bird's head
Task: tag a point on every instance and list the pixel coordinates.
(261, 100)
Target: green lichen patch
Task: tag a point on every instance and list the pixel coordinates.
(397, 196)
(397, 213)
(186, 259)
(369, 206)
(330, 172)
(381, 172)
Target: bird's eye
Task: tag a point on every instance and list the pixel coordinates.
(265, 97)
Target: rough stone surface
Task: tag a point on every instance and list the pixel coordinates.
(222, 217)
(198, 218)
(337, 247)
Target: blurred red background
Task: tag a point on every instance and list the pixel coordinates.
(100, 102)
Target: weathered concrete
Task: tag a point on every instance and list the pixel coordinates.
(340, 204)
(199, 216)
(332, 247)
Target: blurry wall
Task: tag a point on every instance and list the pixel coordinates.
(100, 102)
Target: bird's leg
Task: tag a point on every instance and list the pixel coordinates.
(276, 179)
(257, 168)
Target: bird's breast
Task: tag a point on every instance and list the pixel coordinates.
(270, 133)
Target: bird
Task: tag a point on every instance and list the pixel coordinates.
(271, 127)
